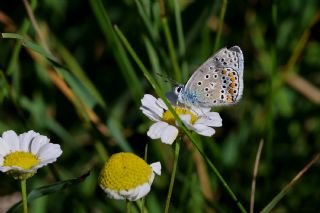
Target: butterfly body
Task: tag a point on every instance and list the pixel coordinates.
(218, 81)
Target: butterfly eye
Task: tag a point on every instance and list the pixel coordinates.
(178, 89)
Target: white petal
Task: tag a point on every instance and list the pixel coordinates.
(4, 148)
(48, 151)
(12, 139)
(136, 193)
(149, 102)
(156, 129)
(204, 130)
(150, 114)
(37, 143)
(52, 152)
(5, 168)
(169, 134)
(211, 119)
(156, 167)
(200, 111)
(142, 190)
(113, 194)
(25, 140)
(186, 118)
(161, 104)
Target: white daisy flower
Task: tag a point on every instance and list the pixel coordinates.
(127, 176)
(21, 156)
(200, 120)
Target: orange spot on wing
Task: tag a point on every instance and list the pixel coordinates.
(232, 85)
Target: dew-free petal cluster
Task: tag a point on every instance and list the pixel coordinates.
(127, 176)
(27, 152)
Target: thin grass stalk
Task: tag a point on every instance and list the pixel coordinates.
(173, 173)
(181, 39)
(285, 190)
(171, 48)
(220, 25)
(146, 20)
(254, 176)
(169, 41)
(121, 57)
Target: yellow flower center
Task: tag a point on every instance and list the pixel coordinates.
(169, 118)
(24, 160)
(124, 171)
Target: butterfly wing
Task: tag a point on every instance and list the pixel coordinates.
(218, 81)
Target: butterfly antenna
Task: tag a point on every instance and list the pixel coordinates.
(167, 79)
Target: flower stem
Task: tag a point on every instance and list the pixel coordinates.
(24, 195)
(173, 174)
(128, 206)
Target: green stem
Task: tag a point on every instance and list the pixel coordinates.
(128, 206)
(173, 174)
(219, 30)
(172, 52)
(24, 195)
(145, 158)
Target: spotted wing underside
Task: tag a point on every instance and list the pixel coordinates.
(219, 81)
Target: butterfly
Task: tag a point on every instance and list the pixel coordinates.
(218, 81)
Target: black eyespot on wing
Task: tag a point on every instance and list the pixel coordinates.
(199, 83)
(206, 89)
(207, 76)
(222, 96)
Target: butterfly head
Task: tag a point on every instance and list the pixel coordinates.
(178, 90)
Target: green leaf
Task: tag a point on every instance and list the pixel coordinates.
(49, 189)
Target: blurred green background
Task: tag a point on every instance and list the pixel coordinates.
(89, 101)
